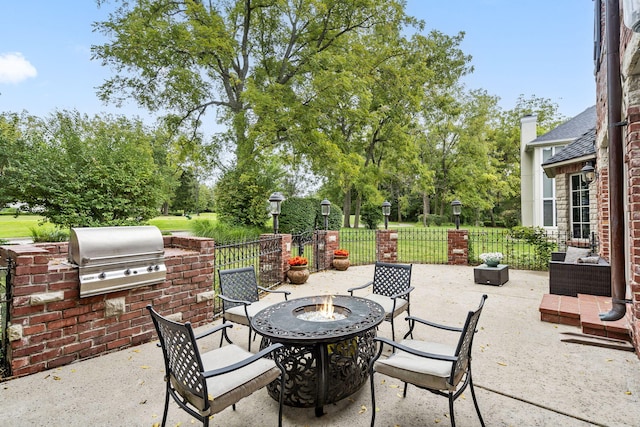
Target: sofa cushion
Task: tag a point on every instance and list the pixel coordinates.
(589, 260)
(574, 253)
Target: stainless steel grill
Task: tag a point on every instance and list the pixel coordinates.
(114, 258)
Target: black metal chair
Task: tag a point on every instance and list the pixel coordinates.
(240, 300)
(439, 368)
(391, 289)
(204, 384)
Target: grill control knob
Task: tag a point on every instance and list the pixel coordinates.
(102, 276)
(157, 267)
(127, 272)
(150, 268)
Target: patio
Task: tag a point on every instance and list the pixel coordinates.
(524, 374)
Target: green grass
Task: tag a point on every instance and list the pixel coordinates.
(21, 226)
(18, 227)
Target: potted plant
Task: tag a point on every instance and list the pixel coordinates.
(492, 259)
(341, 259)
(298, 270)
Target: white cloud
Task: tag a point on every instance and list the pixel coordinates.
(14, 68)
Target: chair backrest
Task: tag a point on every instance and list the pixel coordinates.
(463, 350)
(182, 361)
(389, 279)
(238, 283)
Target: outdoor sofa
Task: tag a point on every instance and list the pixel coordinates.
(579, 275)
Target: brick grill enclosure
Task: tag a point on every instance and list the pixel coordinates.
(52, 326)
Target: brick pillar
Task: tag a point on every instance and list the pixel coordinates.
(387, 245)
(277, 250)
(457, 247)
(325, 243)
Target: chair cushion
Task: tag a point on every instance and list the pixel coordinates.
(237, 314)
(573, 253)
(387, 304)
(420, 371)
(227, 389)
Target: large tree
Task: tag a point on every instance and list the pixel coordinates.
(236, 58)
(81, 171)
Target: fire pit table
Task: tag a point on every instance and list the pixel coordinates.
(326, 356)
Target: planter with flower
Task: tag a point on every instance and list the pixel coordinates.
(298, 270)
(341, 259)
(492, 259)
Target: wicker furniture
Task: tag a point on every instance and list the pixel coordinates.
(578, 278)
(440, 368)
(206, 383)
(496, 276)
(240, 300)
(391, 289)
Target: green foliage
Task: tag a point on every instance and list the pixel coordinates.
(371, 215)
(81, 171)
(543, 245)
(224, 233)
(241, 197)
(511, 218)
(298, 214)
(49, 234)
(438, 220)
(335, 218)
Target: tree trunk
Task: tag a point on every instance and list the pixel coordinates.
(356, 221)
(346, 209)
(425, 208)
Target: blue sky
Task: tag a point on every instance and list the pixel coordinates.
(542, 48)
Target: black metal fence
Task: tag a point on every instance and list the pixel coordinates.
(5, 297)
(245, 254)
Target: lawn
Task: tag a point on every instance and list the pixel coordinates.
(11, 226)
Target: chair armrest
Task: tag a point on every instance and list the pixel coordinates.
(242, 363)
(213, 330)
(413, 319)
(222, 297)
(413, 351)
(275, 291)
(350, 290)
(401, 294)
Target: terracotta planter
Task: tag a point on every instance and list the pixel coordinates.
(341, 262)
(298, 274)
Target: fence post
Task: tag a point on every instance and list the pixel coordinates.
(325, 242)
(457, 247)
(387, 245)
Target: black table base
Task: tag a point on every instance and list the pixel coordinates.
(323, 373)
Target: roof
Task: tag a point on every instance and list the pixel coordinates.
(571, 129)
(581, 147)
(581, 150)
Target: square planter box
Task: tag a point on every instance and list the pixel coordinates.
(496, 276)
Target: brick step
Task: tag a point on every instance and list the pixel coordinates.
(583, 311)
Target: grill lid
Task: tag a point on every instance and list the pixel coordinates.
(114, 258)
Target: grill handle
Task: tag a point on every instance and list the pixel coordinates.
(86, 260)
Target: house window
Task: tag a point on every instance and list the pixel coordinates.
(580, 225)
(548, 193)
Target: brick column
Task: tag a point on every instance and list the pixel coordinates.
(325, 243)
(387, 245)
(277, 250)
(457, 247)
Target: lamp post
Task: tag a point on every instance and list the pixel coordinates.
(325, 209)
(386, 211)
(456, 206)
(275, 200)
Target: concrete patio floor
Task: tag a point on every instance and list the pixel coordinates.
(524, 374)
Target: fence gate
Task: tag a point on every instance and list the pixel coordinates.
(5, 300)
(303, 244)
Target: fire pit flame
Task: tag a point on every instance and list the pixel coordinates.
(324, 312)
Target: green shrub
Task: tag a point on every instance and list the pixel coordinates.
(536, 236)
(298, 214)
(335, 218)
(371, 215)
(48, 234)
(438, 220)
(511, 218)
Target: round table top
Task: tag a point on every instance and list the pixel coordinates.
(280, 323)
